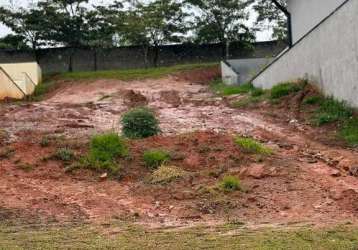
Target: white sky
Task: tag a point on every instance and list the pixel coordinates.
(261, 36)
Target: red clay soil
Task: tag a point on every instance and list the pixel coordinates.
(304, 181)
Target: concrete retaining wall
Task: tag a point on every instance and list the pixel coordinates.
(327, 56)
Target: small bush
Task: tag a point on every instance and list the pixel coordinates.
(284, 89)
(155, 158)
(252, 146)
(230, 183)
(103, 153)
(349, 132)
(64, 154)
(140, 123)
(166, 174)
(331, 110)
(107, 147)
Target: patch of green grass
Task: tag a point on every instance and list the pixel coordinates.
(257, 92)
(246, 101)
(230, 183)
(312, 100)
(284, 89)
(104, 151)
(166, 174)
(41, 90)
(140, 123)
(330, 111)
(250, 145)
(155, 158)
(349, 132)
(225, 237)
(134, 74)
(222, 89)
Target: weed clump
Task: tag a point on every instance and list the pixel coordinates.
(284, 89)
(349, 132)
(104, 151)
(64, 154)
(230, 183)
(250, 145)
(312, 100)
(330, 111)
(166, 174)
(140, 123)
(226, 90)
(155, 158)
(256, 92)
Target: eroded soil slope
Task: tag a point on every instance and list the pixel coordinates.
(304, 181)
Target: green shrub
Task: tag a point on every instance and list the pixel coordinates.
(104, 151)
(349, 132)
(64, 154)
(230, 183)
(140, 123)
(330, 111)
(252, 146)
(155, 158)
(284, 89)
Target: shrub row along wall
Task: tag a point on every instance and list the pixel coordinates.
(62, 59)
(327, 56)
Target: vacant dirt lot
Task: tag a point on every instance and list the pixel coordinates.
(305, 181)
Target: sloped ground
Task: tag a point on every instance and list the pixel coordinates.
(305, 182)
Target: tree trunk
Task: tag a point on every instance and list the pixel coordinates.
(156, 56)
(146, 52)
(95, 59)
(70, 64)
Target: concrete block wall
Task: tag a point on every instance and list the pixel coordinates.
(58, 59)
(327, 56)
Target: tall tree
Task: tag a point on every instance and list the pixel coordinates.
(270, 17)
(221, 21)
(152, 24)
(26, 23)
(15, 42)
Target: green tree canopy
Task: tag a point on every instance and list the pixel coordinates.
(220, 21)
(270, 17)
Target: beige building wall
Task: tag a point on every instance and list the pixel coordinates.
(8, 88)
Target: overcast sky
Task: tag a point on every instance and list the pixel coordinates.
(261, 36)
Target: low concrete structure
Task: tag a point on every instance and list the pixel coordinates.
(8, 88)
(19, 79)
(240, 71)
(327, 56)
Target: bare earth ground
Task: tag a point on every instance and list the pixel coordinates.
(306, 181)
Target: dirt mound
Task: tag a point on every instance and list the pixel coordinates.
(201, 76)
(171, 97)
(133, 98)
